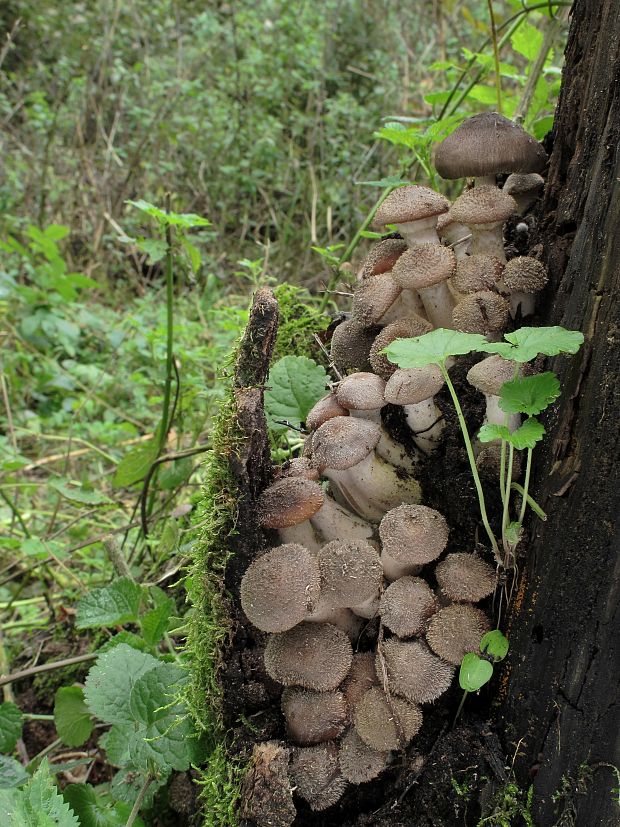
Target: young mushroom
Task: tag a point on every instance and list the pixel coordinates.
(386, 724)
(313, 655)
(525, 188)
(405, 328)
(315, 774)
(482, 312)
(477, 272)
(454, 235)
(464, 578)
(351, 576)
(411, 536)
(381, 258)
(523, 277)
(456, 630)
(373, 298)
(406, 605)
(360, 763)
(413, 671)
(488, 376)
(485, 210)
(414, 389)
(414, 210)
(312, 717)
(350, 346)
(427, 268)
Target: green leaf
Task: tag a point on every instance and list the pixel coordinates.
(174, 474)
(94, 811)
(79, 495)
(110, 681)
(388, 181)
(484, 94)
(135, 641)
(71, 716)
(155, 248)
(11, 723)
(527, 435)
(527, 343)
(433, 348)
(155, 622)
(513, 533)
(527, 40)
(135, 465)
(542, 126)
(116, 745)
(490, 432)
(37, 804)
(494, 644)
(296, 383)
(529, 394)
(112, 605)
(12, 774)
(474, 672)
(193, 254)
(173, 219)
(127, 784)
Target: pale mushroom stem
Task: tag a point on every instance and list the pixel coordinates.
(424, 419)
(422, 231)
(409, 303)
(303, 534)
(336, 523)
(488, 240)
(393, 570)
(439, 304)
(496, 416)
(525, 301)
(387, 448)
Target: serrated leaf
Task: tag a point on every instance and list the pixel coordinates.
(11, 723)
(295, 383)
(12, 773)
(110, 681)
(529, 394)
(37, 804)
(80, 495)
(115, 742)
(94, 811)
(134, 466)
(527, 435)
(527, 343)
(155, 248)
(112, 605)
(474, 672)
(432, 348)
(173, 219)
(494, 644)
(155, 622)
(131, 639)
(72, 716)
(490, 432)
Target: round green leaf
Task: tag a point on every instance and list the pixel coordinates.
(495, 644)
(474, 672)
(71, 716)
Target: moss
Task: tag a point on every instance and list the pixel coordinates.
(300, 320)
(219, 783)
(511, 806)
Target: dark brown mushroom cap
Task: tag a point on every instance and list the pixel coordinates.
(407, 328)
(522, 183)
(424, 265)
(413, 534)
(281, 588)
(408, 386)
(489, 375)
(382, 257)
(372, 298)
(406, 605)
(487, 144)
(477, 272)
(525, 274)
(289, 501)
(313, 655)
(481, 312)
(359, 762)
(361, 392)
(312, 717)
(375, 720)
(483, 205)
(298, 467)
(456, 630)
(315, 773)
(350, 345)
(360, 678)
(344, 441)
(410, 203)
(413, 671)
(324, 409)
(351, 573)
(464, 577)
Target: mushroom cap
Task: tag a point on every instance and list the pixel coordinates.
(414, 671)
(424, 265)
(359, 762)
(324, 409)
(483, 205)
(525, 275)
(313, 655)
(456, 630)
(408, 386)
(521, 183)
(406, 605)
(407, 328)
(360, 678)
(350, 345)
(382, 257)
(343, 441)
(477, 272)
(289, 501)
(410, 203)
(361, 392)
(487, 144)
(464, 577)
(315, 773)
(312, 717)
(489, 375)
(375, 724)
(298, 467)
(350, 573)
(372, 298)
(413, 534)
(281, 588)
(481, 312)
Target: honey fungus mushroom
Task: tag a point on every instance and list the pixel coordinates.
(414, 389)
(312, 717)
(413, 671)
(426, 268)
(414, 210)
(313, 655)
(359, 762)
(386, 723)
(485, 210)
(315, 773)
(350, 345)
(456, 630)
(464, 577)
(411, 536)
(381, 258)
(406, 606)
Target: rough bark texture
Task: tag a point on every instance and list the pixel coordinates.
(561, 705)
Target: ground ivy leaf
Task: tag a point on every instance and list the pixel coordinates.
(474, 672)
(527, 435)
(12, 774)
(529, 394)
(491, 432)
(94, 811)
(155, 622)
(10, 726)
(432, 348)
(527, 343)
(295, 383)
(494, 644)
(111, 605)
(110, 681)
(37, 804)
(71, 716)
(79, 495)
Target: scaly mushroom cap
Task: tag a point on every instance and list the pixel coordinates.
(456, 630)
(465, 578)
(360, 679)
(281, 588)
(488, 144)
(483, 205)
(407, 328)
(375, 720)
(324, 409)
(410, 203)
(408, 386)
(361, 392)
(489, 375)
(298, 467)
(413, 534)
(343, 441)
(382, 257)
(359, 762)
(312, 717)
(414, 671)
(350, 346)
(524, 183)
(406, 605)
(313, 655)
(289, 501)
(315, 773)
(525, 275)
(481, 312)
(477, 272)
(372, 298)
(423, 266)
(350, 573)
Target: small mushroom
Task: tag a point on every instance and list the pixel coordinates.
(312, 717)
(313, 655)
(413, 671)
(411, 536)
(456, 630)
(523, 277)
(350, 345)
(454, 235)
(373, 297)
(427, 268)
(414, 389)
(484, 210)
(382, 257)
(525, 188)
(360, 679)
(360, 763)
(406, 328)
(414, 211)
(386, 724)
(476, 273)
(324, 409)
(482, 312)
(465, 578)
(351, 575)
(315, 773)
(488, 376)
(406, 605)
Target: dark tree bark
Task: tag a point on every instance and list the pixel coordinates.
(561, 706)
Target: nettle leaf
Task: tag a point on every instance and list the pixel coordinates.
(127, 784)
(134, 466)
(94, 811)
(527, 435)
(155, 622)
(112, 605)
(494, 644)
(11, 724)
(529, 394)
(527, 343)
(474, 672)
(12, 774)
(296, 383)
(131, 639)
(110, 681)
(432, 348)
(37, 804)
(72, 716)
(155, 248)
(79, 495)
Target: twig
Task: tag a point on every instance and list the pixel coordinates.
(133, 815)
(116, 557)
(46, 667)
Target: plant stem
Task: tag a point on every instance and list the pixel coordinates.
(498, 79)
(165, 424)
(530, 501)
(526, 485)
(46, 667)
(29, 716)
(15, 511)
(133, 815)
(505, 514)
(458, 711)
